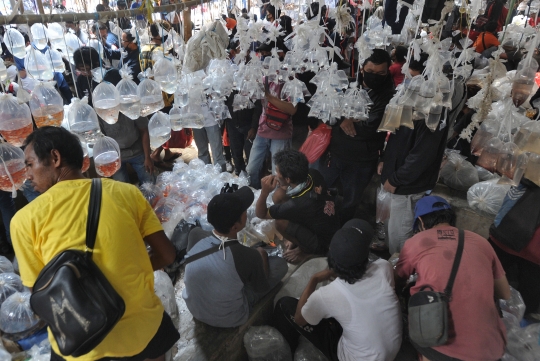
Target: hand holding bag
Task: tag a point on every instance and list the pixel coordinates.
(73, 296)
(428, 310)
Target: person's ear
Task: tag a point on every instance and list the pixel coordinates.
(421, 225)
(56, 158)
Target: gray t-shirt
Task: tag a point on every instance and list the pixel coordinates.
(126, 133)
(214, 292)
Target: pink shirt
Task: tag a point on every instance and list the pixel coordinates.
(264, 131)
(397, 76)
(478, 332)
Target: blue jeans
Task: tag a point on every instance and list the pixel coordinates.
(28, 191)
(7, 207)
(210, 135)
(354, 177)
(137, 163)
(258, 153)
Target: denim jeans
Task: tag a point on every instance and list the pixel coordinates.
(239, 145)
(400, 223)
(28, 191)
(354, 177)
(7, 207)
(258, 153)
(210, 135)
(137, 163)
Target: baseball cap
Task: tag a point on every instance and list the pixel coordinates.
(428, 205)
(226, 208)
(350, 245)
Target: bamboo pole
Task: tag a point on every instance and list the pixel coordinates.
(102, 16)
(188, 29)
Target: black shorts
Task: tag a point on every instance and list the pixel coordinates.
(307, 240)
(164, 339)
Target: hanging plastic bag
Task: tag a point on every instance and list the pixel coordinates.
(15, 120)
(72, 42)
(12, 168)
(106, 100)
(532, 172)
(306, 351)
(9, 284)
(487, 131)
(15, 43)
(384, 200)
(55, 57)
(490, 154)
(55, 33)
(165, 74)
(487, 196)
(83, 120)
(5, 265)
(317, 142)
(265, 343)
(175, 116)
(39, 35)
(86, 157)
(47, 105)
(457, 173)
(164, 289)
(149, 92)
(16, 314)
(192, 116)
(38, 66)
(159, 128)
(151, 193)
(130, 102)
(106, 156)
(523, 81)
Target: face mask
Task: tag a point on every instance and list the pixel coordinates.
(375, 81)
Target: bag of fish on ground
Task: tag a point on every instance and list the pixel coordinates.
(457, 173)
(487, 197)
(265, 343)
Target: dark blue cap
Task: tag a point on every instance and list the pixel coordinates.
(428, 205)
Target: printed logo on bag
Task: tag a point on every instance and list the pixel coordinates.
(445, 234)
(430, 299)
(60, 311)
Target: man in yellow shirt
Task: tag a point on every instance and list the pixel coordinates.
(56, 221)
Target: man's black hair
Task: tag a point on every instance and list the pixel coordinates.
(401, 53)
(154, 31)
(293, 165)
(244, 11)
(491, 27)
(272, 10)
(86, 55)
(100, 7)
(418, 65)
(349, 275)
(432, 219)
(379, 57)
(45, 139)
(129, 36)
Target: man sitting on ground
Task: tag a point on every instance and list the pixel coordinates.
(355, 317)
(476, 330)
(304, 212)
(222, 287)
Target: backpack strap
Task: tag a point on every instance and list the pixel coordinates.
(455, 266)
(94, 208)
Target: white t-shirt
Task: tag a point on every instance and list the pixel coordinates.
(368, 311)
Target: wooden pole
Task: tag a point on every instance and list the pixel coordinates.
(103, 16)
(188, 29)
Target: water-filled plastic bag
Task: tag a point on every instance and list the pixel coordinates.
(106, 156)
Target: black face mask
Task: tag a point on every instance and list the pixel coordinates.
(375, 81)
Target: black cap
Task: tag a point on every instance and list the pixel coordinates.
(225, 209)
(350, 245)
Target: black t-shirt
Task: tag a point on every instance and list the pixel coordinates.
(310, 209)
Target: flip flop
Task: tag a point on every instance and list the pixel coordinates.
(172, 157)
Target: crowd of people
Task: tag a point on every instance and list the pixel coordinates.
(357, 313)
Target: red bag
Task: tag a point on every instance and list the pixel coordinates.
(180, 139)
(317, 142)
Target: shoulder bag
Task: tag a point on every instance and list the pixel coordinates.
(73, 296)
(428, 310)
(275, 118)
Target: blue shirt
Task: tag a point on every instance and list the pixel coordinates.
(61, 82)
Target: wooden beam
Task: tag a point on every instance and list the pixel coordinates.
(188, 29)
